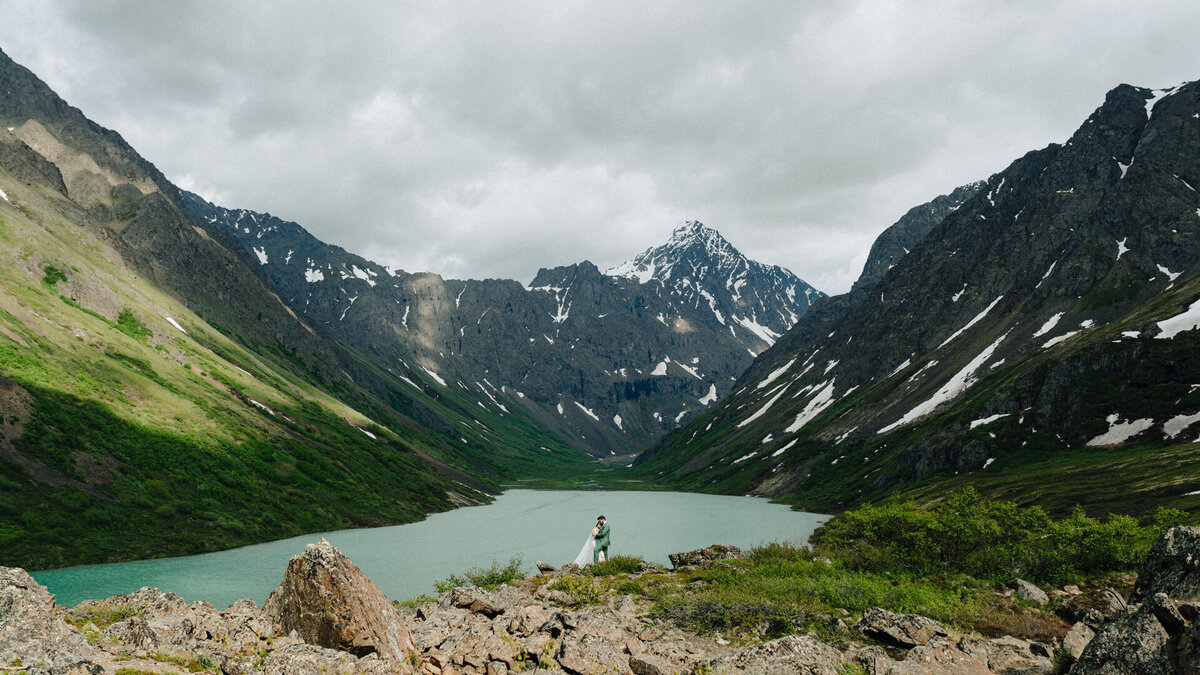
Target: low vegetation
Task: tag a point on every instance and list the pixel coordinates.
(955, 562)
(991, 539)
(488, 578)
(101, 615)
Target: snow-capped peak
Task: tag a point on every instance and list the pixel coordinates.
(701, 267)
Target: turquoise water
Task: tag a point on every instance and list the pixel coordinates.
(405, 560)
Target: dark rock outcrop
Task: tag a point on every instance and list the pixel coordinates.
(704, 556)
(1172, 567)
(1158, 632)
(1028, 316)
(330, 603)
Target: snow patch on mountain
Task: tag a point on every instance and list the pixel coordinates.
(434, 376)
(1187, 320)
(763, 409)
(588, 411)
(960, 382)
(972, 322)
(774, 374)
(819, 403)
(1119, 432)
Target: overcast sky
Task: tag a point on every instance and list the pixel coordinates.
(488, 139)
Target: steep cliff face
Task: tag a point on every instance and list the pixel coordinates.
(610, 361)
(1032, 323)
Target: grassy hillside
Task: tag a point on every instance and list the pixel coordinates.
(133, 428)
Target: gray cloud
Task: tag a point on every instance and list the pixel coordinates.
(488, 139)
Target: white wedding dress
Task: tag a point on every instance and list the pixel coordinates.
(585, 556)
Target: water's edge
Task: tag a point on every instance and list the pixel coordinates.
(405, 560)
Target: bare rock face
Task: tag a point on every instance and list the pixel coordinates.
(937, 657)
(905, 630)
(303, 658)
(30, 632)
(702, 556)
(1171, 567)
(330, 603)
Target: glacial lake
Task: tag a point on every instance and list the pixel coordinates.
(406, 560)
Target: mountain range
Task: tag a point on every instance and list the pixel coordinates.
(178, 376)
(1036, 342)
(608, 360)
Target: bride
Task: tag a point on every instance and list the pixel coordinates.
(585, 555)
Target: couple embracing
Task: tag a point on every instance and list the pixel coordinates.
(596, 546)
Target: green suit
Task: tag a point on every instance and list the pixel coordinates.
(602, 541)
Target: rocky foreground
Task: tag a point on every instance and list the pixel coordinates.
(327, 617)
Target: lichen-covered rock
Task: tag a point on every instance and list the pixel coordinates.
(800, 654)
(329, 602)
(1133, 643)
(702, 556)
(905, 630)
(1171, 567)
(30, 632)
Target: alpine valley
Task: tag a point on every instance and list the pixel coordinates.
(179, 376)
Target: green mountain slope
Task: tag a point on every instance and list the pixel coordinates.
(158, 397)
(1020, 347)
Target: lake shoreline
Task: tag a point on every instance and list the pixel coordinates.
(526, 523)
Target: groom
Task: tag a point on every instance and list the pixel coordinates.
(602, 540)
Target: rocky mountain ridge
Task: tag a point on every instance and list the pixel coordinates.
(610, 361)
(1046, 316)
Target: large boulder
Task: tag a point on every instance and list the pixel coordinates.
(1171, 567)
(703, 556)
(1133, 643)
(330, 603)
(904, 630)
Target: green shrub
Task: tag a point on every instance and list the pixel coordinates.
(53, 276)
(618, 564)
(129, 324)
(988, 539)
(581, 590)
(631, 588)
(489, 578)
(101, 614)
